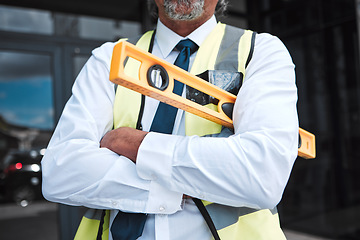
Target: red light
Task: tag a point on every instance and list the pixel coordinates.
(13, 167)
(18, 166)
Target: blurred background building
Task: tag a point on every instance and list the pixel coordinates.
(44, 44)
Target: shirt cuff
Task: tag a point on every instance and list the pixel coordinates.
(155, 155)
(154, 163)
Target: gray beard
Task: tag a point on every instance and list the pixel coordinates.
(170, 9)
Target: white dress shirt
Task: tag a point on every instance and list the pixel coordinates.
(250, 168)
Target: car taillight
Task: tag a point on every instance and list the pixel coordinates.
(18, 166)
(13, 167)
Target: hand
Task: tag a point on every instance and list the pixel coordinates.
(124, 141)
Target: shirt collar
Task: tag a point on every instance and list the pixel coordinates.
(167, 39)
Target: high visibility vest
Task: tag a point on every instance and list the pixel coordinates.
(94, 225)
(226, 48)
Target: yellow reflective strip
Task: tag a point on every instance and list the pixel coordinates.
(199, 126)
(106, 226)
(205, 60)
(260, 225)
(87, 229)
(206, 202)
(144, 41)
(122, 39)
(127, 102)
(244, 50)
(126, 107)
(206, 55)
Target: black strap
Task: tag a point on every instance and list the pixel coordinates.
(252, 46)
(141, 112)
(138, 123)
(100, 230)
(206, 217)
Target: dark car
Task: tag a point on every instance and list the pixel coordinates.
(20, 176)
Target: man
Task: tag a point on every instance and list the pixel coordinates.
(241, 176)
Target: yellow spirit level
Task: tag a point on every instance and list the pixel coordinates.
(156, 79)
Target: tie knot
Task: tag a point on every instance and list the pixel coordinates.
(187, 43)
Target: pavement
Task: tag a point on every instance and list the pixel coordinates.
(38, 221)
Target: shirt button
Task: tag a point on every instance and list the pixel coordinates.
(162, 208)
(114, 203)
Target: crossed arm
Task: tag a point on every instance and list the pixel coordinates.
(124, 141)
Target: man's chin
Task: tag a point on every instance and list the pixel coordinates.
(186, 11)
(184, 17)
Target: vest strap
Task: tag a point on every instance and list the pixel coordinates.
(122, 116)
(100, 231)
(200, 205)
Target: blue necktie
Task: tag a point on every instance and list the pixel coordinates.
(129, 226)
(165, 115)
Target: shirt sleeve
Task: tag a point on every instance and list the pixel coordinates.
(76, 171)
(251, 167)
